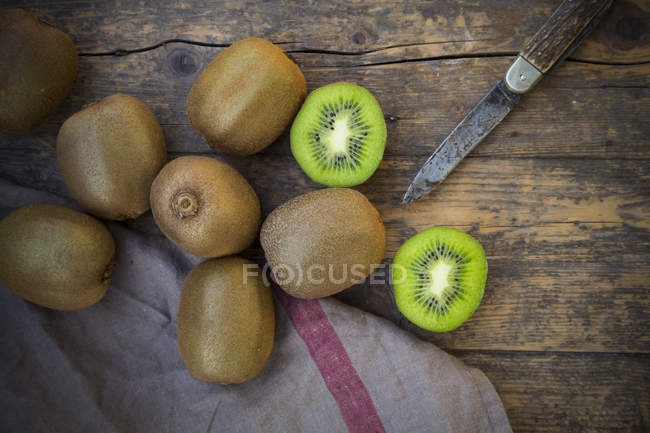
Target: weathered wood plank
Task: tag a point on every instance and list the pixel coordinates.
(567, 242)
(380, 31)
(492, 192)
(557, 194)
(564, 117)
(562, 287)
(569, 392)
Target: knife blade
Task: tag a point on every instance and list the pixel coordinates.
(487, 114)
(571, 22)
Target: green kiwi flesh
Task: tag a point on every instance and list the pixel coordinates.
(328, 239)
(109, 154)
(205, 206)
(246, 97)
(55, 256)
(39, 65)
(339, 135)
(226, 321)
(439, 277)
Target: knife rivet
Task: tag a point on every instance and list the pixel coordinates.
(523, 77)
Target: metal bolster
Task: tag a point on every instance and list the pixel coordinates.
(522, 76)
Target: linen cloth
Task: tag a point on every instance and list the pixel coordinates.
(115, 367)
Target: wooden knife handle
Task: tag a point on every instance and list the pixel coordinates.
(559, 33)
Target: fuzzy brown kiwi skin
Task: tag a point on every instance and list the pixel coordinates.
(246, 97)
(109, 154)
(55, 256)
(205, 206)
(37, 71)
(226, 323)
(332, 226)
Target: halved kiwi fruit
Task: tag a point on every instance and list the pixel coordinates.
(438, 277)
(339, 135)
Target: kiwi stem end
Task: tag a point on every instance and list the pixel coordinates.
(185, 204)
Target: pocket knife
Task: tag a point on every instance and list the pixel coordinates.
(571, 22)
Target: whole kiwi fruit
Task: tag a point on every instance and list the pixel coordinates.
(205, 206)
(245, 97)
(226, 321)
(38, 68)
(109, 154)
(55, 256)
(323, 242)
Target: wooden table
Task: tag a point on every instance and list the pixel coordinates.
(558, 194)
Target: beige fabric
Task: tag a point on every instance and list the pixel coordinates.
(115, 367)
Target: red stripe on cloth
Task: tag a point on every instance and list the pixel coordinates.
(329, 355)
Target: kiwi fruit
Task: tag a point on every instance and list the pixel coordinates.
(37, 71)
(205, 206)
(226, 321)
(55, 256)
(109, 154)
(438, 277)
(339, 135)
(323, 242)
(246, 97)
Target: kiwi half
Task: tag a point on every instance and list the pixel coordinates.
(438, 277)
(339, 135)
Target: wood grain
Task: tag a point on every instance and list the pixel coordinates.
(569, 392)
(546, 290)
(581, 110)
(481, 192)
(376, 31)
(557, 194)
(567, 242)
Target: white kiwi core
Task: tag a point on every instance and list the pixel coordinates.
(337, 139)
(439, 277)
